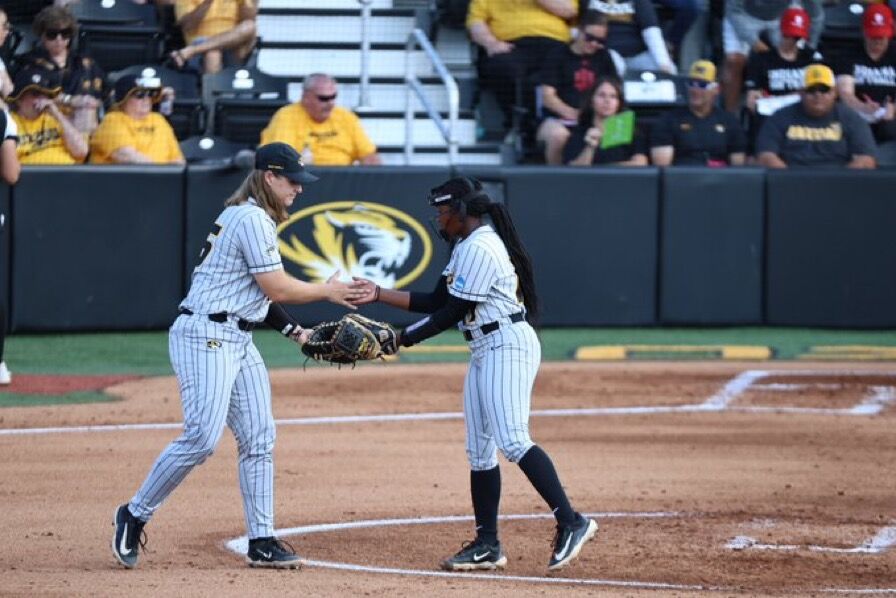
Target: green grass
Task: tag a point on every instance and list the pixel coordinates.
(146, 353)
(72, 398)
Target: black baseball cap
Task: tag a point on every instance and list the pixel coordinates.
(282, 159)
(35, 79)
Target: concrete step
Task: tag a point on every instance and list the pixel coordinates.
(345, 4)
(385, 130)
(392, 27)
(438, 156)
(342, 60)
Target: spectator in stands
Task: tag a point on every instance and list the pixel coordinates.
(685, 13)
(46, 135)
(326, 134)
(745, 24)
(866, 77)
(568, 73)
(131, 133)
(702, 133)
(780, 72)
(81, 77)
(818, 131)
(220, 32)
(514, 37)
(5, 80)
(634, 32)
(584, 147)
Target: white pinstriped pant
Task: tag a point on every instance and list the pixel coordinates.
(498, 394)
(222, 379)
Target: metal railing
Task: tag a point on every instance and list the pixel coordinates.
(448, 130)
(364, 87)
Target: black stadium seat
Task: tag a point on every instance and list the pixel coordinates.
(242, 101)
(118, 34)
(210, 150)
(188, 116)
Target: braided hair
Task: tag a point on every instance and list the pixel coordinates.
(467, 196)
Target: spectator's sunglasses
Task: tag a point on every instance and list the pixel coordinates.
(816, 89)
(141, 94)
(595, 39)
(66, 33)
(700, 84)
(328, 98)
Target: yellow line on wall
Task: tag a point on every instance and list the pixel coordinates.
(615, 352)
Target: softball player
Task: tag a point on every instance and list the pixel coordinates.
(9, 173)
(222, 377)
(487, 289)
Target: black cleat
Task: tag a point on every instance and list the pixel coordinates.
(129, 537)
(271, 553)
(569, 541)
(476, 555)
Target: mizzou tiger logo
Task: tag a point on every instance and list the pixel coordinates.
(357, 238)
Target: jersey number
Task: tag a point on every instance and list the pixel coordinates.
(207, 248)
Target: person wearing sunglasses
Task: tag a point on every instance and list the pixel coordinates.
(567, 74)
(865, 75)
(701, 133)
(131, 132)
(818, 131)
(324, 133)
(81, 78)
(46, 135)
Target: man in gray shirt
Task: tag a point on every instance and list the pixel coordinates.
(818, 131)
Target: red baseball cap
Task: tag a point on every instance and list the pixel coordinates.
(795, 23)
(878, 21)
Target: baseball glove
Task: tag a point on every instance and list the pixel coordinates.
(348, 340)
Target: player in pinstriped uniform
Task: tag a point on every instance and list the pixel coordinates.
(221, 375)
(9, 174)
(487, 289)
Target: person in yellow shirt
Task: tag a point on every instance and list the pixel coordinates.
(217, 31)
(514, 36)
(46, 135)
(131, 133)
(325, 134)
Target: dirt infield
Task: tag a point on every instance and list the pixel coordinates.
(706, 478)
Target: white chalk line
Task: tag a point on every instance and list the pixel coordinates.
(720, 401)
(241, 544)
(882, 541)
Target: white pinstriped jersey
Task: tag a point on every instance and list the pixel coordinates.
(480, 270)
(244, 243)
(8, 124)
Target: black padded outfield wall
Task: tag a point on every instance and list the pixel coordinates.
(97, 248)
(369, 222)
(592, 237)
(711, 246)
(4, 249)
(831, 249)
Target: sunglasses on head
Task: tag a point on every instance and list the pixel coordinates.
(328, 98)
(54, 33)
(700, 84)
(595, 39)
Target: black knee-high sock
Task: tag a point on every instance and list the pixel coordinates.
(541, 473)
(485, 489)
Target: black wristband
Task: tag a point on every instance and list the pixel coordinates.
(278, 319)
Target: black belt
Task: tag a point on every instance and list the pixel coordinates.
(492, 326)
(222, 317)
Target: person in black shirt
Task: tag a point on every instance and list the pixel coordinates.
(818, 131)
(635, 33)
(583, 148)
(781, 71)
(866, 77)
(702, 133)
(568, 73)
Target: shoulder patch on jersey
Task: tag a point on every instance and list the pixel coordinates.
(272, 250)
(459, 283)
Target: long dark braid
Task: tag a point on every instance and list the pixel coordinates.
(519, 257)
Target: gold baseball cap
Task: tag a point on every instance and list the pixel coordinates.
(818, 74)
(703, 70)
